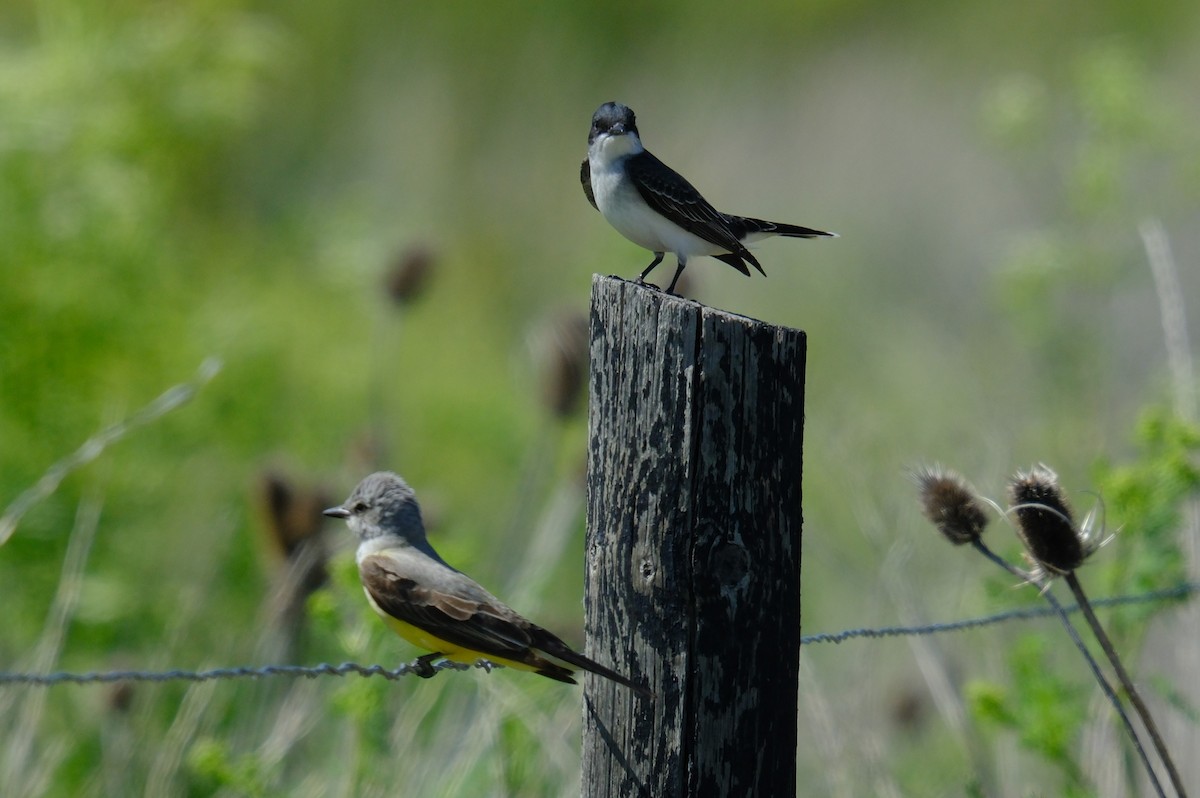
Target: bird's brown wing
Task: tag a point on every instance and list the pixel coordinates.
(450, 606)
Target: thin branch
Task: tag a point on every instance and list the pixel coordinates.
(20, 753)
(1174, 316)
(94, 446)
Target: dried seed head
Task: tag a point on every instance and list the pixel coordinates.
(560, 345)
(1044, 520)
(290, 513)
(291, 526)
(949, 502)
(409, 274)
(119, 697)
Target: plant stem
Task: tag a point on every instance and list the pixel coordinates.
(1091, 661)
(1126, 682)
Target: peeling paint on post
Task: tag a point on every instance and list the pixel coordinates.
(696, 420)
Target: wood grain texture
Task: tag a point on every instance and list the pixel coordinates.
(693, 551)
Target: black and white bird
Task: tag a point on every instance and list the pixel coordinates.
(653, 206)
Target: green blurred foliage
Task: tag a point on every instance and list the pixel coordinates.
(218, 769)
(1120, 163)
(1044, 706)
(1144, 501)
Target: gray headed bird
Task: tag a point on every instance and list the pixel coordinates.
(435, 606)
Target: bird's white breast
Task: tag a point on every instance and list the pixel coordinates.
(621, 204)
(375, 545)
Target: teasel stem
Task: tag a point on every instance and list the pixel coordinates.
(1101, 679)
(952, 506)
(1135, 698)
(1058, 547)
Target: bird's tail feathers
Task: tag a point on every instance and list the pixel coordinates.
(559, 650)
(552, 671)
(738, 261)
(780, 229)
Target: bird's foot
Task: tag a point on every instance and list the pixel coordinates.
(423, 667)
(658, 256)
(675, 279)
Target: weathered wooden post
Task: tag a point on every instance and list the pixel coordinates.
(693, 548)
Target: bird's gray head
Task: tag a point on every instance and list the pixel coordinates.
(383, 503)
(612, 119)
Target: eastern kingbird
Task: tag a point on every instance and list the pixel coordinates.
(653, 206)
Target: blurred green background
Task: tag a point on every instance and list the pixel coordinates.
(241, 180)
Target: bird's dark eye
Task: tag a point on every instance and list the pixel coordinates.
(359, 508)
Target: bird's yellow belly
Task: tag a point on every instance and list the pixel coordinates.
(422, 639)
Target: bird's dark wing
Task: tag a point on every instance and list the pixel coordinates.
(440, 609)
(736, 262)
(585, 178)
(743, 225)
(552, 645)
(451, 607)
(667, 192)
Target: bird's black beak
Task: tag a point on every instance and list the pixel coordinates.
(617, 130)
(336, 512)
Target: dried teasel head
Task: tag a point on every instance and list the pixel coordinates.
(290, 513)
(291, 525)
(409, 273)
(1045, 523)
(950, 504)
(560, 346)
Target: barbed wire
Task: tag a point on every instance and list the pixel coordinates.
(307, 671)
(1022, 614)
(421, 669)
